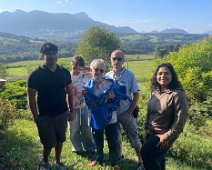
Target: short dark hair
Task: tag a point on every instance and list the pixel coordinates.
(49, 48)
(174, 84)
(78, 60)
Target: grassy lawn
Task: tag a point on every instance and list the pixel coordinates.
(21, 149)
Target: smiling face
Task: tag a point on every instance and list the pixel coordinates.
(76, 68)
(97, 72)
(164, 77)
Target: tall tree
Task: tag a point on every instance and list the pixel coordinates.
(98, 42)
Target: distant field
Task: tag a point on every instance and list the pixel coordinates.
(142, 69)
(140, 57)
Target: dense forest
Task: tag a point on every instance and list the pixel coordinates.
(19, 48)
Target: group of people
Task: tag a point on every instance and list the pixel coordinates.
(96, 102)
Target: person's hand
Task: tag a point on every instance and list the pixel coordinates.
(110, 95)
(84, 91)
(74, 91)
(163, 141)
(129, 113)
(71, 115)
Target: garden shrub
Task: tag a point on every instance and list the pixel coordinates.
(196, 76)
(15, 91)
(7, 113)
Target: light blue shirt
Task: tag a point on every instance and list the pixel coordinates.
(127, 79)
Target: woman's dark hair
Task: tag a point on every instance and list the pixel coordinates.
(78, 60)
(174, 84)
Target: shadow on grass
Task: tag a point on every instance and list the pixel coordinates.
(18, 150)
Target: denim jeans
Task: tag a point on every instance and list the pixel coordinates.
(111, 135)
(80, 131)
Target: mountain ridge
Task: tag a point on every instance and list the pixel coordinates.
(45, 25)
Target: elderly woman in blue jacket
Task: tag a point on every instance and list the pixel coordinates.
(102, 98)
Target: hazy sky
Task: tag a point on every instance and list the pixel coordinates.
(194, 16)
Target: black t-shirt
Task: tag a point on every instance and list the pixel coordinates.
(51, 97)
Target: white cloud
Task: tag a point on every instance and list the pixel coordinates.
(210, 25)
(62, 1)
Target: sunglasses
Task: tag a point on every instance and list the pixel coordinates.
(100, 70)
(117, 59)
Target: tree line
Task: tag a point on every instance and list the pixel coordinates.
(20, 48)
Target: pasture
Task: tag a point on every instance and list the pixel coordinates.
(142, 68)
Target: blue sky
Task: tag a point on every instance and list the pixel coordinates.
(194, 16)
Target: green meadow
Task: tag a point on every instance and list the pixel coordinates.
(142, 68)
(21, 147)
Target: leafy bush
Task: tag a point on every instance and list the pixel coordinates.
(7, 113)
(16, 92)
(193, 70)
(196, 76)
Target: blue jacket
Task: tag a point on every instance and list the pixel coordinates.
(101, 108)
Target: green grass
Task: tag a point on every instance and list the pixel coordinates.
(140, 56)
(141, 69)
(20, 148)
(19, 71)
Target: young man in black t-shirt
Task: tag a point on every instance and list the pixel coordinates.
(47, 89)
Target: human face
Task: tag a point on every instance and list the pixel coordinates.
(97, 72)
(164, 77)
(117, 61)
(76, 68)
(50, 59)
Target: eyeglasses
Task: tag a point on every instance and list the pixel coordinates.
(100, 70)
(117, 59)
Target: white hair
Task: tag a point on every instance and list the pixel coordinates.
(98, 61)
